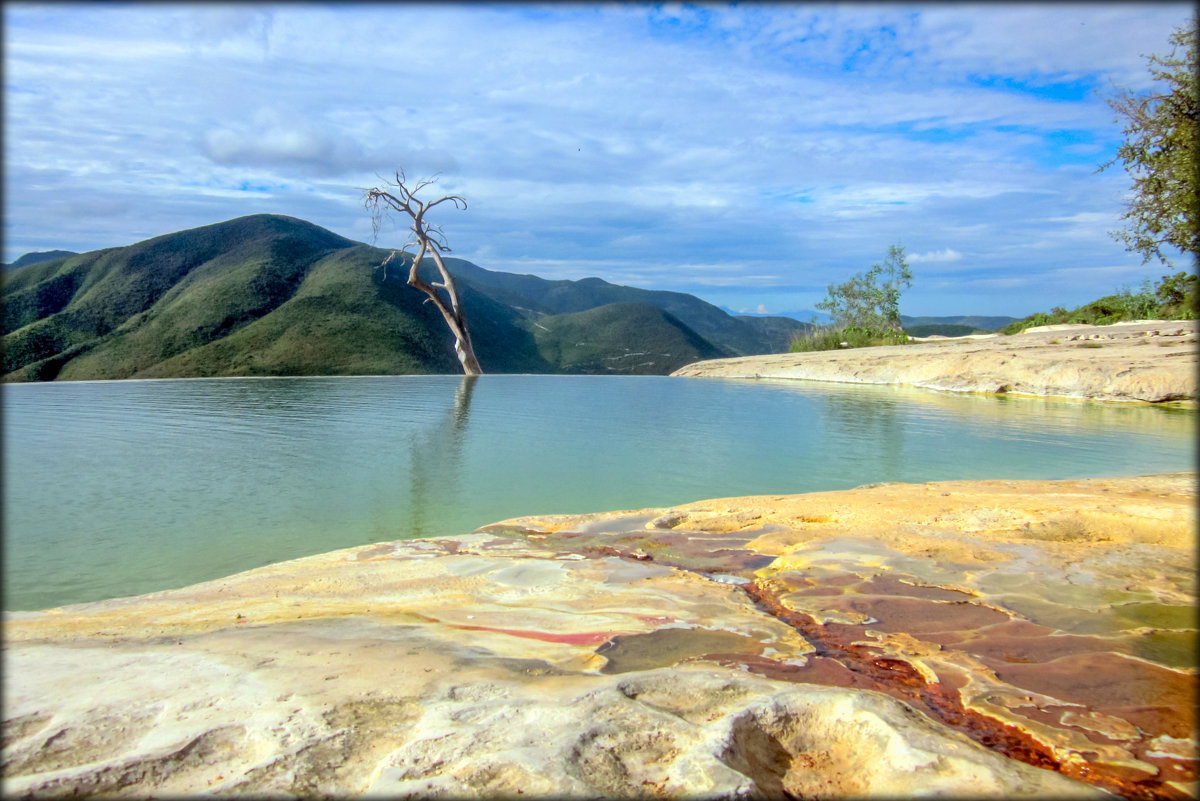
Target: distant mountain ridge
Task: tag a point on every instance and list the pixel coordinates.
(274, 295)
(981, 323)
(38, 255)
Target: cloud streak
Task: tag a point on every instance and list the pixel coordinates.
(943, 255)
(749, 154)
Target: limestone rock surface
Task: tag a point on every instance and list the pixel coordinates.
(963, 639)
(1152, 361)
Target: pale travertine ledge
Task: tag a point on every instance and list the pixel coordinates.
(650, 653)
(1149, 361)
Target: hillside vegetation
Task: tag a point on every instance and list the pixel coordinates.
(1172, 297)
(634, 338)
(273, 295)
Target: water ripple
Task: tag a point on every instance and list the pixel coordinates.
(116, 488)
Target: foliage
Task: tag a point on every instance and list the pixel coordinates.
(865, 309)
(1179, 296)
(1140, 305)
(1173, 297)
(863, 302)
(1159, 153)
(852, 336)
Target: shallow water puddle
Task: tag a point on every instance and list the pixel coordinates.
(668, 646)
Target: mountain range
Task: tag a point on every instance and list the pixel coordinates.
(274, 295)
(974, 322)
(36, 256)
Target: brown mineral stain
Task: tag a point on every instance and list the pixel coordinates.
(841, 658)
(891, 584)
(375, 552)
(686, 550)
(1162, 700)
(1032, 650)
(817, 670)
(1012, 628)
(916, 616)
(1036, 589)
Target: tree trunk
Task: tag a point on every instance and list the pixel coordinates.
(452, 313)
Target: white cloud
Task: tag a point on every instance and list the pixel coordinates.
(275, 139)
(753, 147)
(945, 254)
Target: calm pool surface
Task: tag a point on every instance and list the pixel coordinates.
(121, 488)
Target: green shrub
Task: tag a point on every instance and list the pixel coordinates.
(839, 337)
(1174, 297)
(1179, 296)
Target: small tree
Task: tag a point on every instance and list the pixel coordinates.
(864, 303)
(1140, 305)
(1159, 154)
(1179, 296)
(397, 196)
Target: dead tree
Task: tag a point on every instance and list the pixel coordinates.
(429, 239)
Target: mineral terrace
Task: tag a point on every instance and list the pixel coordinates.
(983, 638)
(1152, 361)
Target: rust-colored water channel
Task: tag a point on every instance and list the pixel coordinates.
(1026, 662)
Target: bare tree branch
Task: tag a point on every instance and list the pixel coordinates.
(429, 239)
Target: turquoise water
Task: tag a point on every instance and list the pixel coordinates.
(120, 488)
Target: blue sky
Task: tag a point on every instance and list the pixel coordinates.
(748, 154)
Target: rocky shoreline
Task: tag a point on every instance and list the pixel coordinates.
(1145, 361)
(970, 638)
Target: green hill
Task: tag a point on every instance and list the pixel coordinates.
(742, 336)
(977, 324)
(941, 329)
(775, 334)
(130, 308)
(630, 338)
(273, 295)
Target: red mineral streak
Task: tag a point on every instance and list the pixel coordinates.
(580, 638)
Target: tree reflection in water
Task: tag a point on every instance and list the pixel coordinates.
(435, 463)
